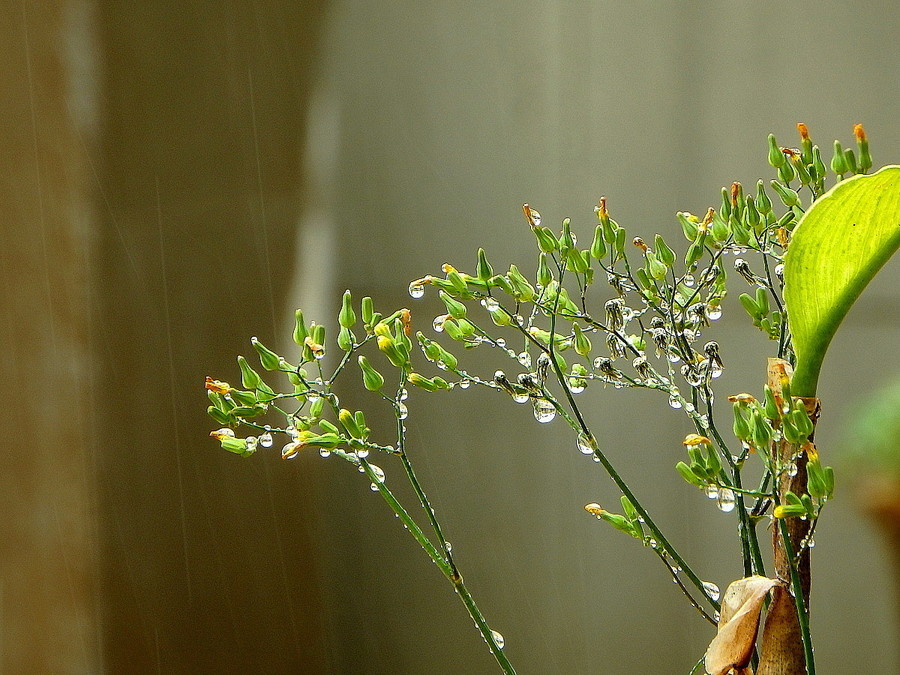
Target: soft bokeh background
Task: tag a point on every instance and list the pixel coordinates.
(178, 177)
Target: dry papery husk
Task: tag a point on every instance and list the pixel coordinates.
(731, 649)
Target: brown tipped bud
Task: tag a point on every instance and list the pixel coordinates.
(804, 132)
(637, 241)
(707, 219)
(790, 152)
(742, 398)
(602, 211)
(735, 193)
(531, 215)
(859, 132)
(217, 386)
(594, 509)
(406, 320)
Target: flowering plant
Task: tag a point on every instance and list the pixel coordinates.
(806, 255)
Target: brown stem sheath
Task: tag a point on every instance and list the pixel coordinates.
(782, 646)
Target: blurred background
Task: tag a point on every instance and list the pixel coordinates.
(177, 177)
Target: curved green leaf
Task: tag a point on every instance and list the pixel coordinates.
(844, 238)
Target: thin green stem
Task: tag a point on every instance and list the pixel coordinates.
(445, 567)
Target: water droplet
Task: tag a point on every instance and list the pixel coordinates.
(792, 469)
(713, 312)
(402, 411)
(533, 216)
(586, 444)
(672, 357)
(725, 500)
(712, 591)
(712, 491)
(688, 280)
(674, 401)
(501, 342)
(376, 470)
(490, 304)
(465, 384)
(525, 359)
(225, 431)
(521, 398)
(265, 440)
(252, 442)
(810, 542)
(703, 421)
(293, 433)
(577, 385)
(325, 452)
(543, 410)
(290, 450)
(498, 639)
(448, 547)
(438, 323)
(404, 394)
(416, 290)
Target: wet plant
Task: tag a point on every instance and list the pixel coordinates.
(623, 312)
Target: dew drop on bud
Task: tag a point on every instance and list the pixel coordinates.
(265, 440)
(712, 591)
(725, 500)
(416, 290)
(674, 402)
(325, 452)
(525, 359)
(543, 410)
(402, 411)
(290, 450)
(586, 444)
(490, 304)
(438, 323)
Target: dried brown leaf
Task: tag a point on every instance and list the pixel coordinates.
(738, 624)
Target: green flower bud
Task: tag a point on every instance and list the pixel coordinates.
(763, 203)
(546, 241)
(236, 445)
(318, 334)
(689, 475)
(620, 244)
(219, 416)
(422, 382)
(249, 377)
(801, 420)
(501, 282)
(329, 441)
(453, 331)
(761, 432)
(501, 317)
(741, 428)
(655, 268)
(665, 254)
(466, 326)
(818, 164)
(582, 343)
(786, 173)
(372, 379)
(268, 358)
(328, 427)
(523, 291)
(317, 407)
(347, 317)
(249, 411)
(850, 159)
(360, 419)
(244, 397)
(689, 225)
(719, 229)
(762, 300)
(788, 197)
(862, 142)
(368, 310)
(565, 239)
(455, 308)
(483, 270)
(838, 162)
(345, 339)
(395, 351)
(802, 172)
(598, 246)
(543, 276)
(349, 421)
(776, 157)
(300, 332)
(577, 261)
(770, 406)
(751, 214)
(694, 253)
(725, 210)
(643, 279)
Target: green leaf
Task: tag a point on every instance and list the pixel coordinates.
(841, 242)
